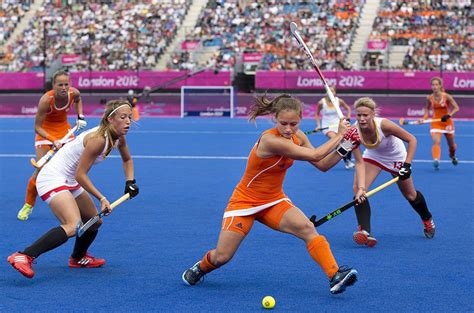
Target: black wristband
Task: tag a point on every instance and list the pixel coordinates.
(80, 117)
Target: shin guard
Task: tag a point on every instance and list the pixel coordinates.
(419, 205)
(363, 213)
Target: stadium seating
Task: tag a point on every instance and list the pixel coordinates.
(120, 35)
(437, 33)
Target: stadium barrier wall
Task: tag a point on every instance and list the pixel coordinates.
(264, 80)
(169, 105)
(118, 80)
(362, 80)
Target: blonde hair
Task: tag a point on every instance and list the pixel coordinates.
(105, 129)
(265, 106)
(368, 103)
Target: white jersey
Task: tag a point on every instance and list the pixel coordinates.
(60, 171)
(388, 152)
(329, 116)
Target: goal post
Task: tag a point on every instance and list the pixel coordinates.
(207, 101)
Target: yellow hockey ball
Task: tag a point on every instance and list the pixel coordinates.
(268, 302)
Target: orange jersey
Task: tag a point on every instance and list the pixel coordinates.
(262, 183)
(440, 108)
(55, 122)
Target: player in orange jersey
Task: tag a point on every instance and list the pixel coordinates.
(259, 195)
(50, 125)
(443, 107)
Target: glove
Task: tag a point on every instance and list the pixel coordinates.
(131, 188)
(445, 118)
(350, 141)
(405, 171)
(81, 122)
(353, 135)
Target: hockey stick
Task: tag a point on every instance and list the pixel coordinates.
(82, 228)
(172, 81)
(349, 205)
(296, 34)
(419, 122)
(52, 151)
(317, 130)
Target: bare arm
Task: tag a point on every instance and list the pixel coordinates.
(77, 102)
(272, 145)
(360, 189)
(93, 147)
(347, 107)
(390, 128)
(43, 109)
(426, 108)
(317, 117)
(453, 103)
(126, 159)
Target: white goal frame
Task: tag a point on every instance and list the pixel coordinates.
(231, 88)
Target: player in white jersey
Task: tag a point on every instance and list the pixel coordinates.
(329, 118)
(385, 150)
(65, 185)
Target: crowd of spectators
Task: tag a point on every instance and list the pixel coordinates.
(11, 13)
(438, 33)
(97, 35)
(104, 35)
(239, 26)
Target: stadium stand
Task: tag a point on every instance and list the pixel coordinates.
(434, 34)
(97, 36)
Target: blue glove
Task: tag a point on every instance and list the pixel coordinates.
(81, 122)
(405, 171)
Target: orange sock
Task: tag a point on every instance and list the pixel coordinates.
(206, 266)
(436, 152)
(319, 250)
(136, 113)
(31, 192)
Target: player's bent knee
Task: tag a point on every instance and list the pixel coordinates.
(69, 229)
(306, 230)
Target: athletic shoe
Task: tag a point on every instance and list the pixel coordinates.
(344, 277)
(193, 275)
(86, 261)
(454, 160)
(436, 164)
(349, 164)
(430, 228)
(22, 263)
(363, 238)
(25, 212)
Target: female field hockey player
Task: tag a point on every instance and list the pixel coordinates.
(330, 119)
(50, 125)
(64, 184)
(443, 107)
(259, 195)
(386, 151)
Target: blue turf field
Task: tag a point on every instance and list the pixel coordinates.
(186, 170)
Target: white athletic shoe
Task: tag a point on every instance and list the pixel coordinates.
(349, 164)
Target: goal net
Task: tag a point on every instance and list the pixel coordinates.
(207, 101)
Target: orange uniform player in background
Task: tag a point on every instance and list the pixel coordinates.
(51, 125)
(443, 107)
(259, 196)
